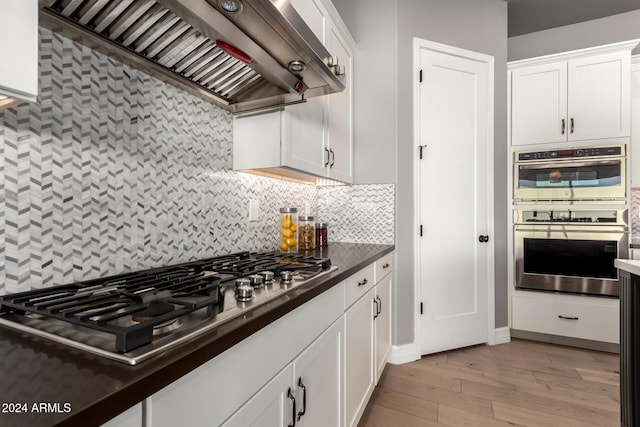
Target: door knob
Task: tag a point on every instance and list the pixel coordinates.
(483, 238)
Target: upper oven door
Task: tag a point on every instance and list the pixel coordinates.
(571, 180)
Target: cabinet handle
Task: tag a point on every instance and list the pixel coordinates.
(304, 398)
(364, 282)
(483, 238)
(326, 150)
(386, 266)
(375, 301)
(560, 316)
(571, 129)
(563, 126)
(379, 306)
(292, 398)
(333, 158)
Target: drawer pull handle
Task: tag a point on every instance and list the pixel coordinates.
(386, 266)
(364, 282)
(304, 398)
(293, 399)
(560, 316)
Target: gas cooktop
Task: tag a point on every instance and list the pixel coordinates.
(130, 317)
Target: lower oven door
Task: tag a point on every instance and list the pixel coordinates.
(576, 259)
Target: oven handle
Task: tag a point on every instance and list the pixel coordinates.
(567, 163)
(575, 228)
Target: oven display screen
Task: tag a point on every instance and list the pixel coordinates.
(570, 176)
(576, 258)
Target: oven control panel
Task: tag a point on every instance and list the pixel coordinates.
(615, 150)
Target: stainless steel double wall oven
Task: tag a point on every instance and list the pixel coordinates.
(571, 219)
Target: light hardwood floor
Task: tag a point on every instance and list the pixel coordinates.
(522, 383)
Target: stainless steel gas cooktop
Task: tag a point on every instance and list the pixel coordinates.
(131, 317)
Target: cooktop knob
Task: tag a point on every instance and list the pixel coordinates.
(286, 277)
(243, 291)
(257, 281)
(268, 276)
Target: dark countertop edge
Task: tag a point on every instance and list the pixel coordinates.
(180, 363)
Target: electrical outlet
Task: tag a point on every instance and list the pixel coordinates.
(254, 210)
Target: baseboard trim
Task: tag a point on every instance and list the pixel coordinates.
(608, 347)
(501, 336)
(403, 354)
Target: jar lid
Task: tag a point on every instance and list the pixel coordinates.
(322, 224)
(306, 218)
(288, 210)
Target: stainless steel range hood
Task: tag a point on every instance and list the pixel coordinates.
(183, 42)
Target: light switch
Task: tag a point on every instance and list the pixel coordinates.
(254, 210)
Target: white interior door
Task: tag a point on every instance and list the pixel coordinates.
(453, 198)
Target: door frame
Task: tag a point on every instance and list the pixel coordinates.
(418, 45)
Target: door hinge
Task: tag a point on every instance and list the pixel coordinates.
(420, 76)
(420, 230)
(420, 148)
(421, 308)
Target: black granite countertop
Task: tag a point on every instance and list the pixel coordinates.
(82, 389)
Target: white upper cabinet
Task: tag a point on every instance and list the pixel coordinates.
(340, 112)
(579, 96)
(539, 104)
(312, 139)
(635, 122)
(19, 50)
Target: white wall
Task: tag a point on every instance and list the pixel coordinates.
(478, 25)
(612, 29)
(374, 29)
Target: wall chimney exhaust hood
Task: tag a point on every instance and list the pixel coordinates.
(242, 55)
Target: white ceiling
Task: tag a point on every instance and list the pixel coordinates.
(527, 16)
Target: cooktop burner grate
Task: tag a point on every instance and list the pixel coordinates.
(162, 304)
(116, 305)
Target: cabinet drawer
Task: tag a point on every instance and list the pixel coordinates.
(384, 266)
(591, 321)
(358, 284)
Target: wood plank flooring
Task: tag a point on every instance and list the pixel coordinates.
(522, 383)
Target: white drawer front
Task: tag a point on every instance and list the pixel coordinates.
(591, 321)
(384, 266)
(359, 283)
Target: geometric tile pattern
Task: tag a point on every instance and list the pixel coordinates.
(358, 213)
(635, 205)
(115, 171)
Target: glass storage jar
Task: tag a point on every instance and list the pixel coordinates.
(306, 233)
(288, 230)
(322, 234)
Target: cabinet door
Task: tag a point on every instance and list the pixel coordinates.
(19, 50)
(132, 417)
(539, 104)
(314, 15)
(304, 135)
(319, 370)
(383, 324)
(340, 112)
(599, 96)
(359, 370)
(635, 127)
(272, 406)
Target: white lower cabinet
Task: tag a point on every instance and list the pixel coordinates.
(308, 389)
(367, 334)
(132, 417)
(590, 318)
(382, 324)
(359, 368)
